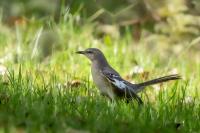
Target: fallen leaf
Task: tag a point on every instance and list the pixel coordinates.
(73, 83)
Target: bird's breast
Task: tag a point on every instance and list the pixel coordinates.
(101, 82)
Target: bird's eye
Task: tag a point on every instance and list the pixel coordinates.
(89, 52)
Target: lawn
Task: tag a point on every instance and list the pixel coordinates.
(46, 87)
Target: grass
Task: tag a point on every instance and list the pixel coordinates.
(38, 93)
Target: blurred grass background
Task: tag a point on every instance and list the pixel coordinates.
(46, 87)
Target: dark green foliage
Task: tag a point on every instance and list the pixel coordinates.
(26, 105)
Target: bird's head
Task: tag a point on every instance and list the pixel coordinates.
(92, 53)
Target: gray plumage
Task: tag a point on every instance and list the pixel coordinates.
(109, 81)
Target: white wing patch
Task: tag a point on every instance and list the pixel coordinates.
(115, 80)
(119, 84)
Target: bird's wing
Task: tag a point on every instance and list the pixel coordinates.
(121, 88)
(114, 79)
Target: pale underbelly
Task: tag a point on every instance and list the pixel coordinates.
(102, 84)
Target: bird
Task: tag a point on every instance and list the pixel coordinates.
(111, 84)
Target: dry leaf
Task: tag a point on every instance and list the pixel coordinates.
(73, 83)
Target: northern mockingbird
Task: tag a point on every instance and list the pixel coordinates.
(110, 83)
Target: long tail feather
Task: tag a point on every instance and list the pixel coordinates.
(140, 86)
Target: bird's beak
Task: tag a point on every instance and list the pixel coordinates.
(80, 52)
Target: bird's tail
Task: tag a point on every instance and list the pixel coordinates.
(140, 86)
